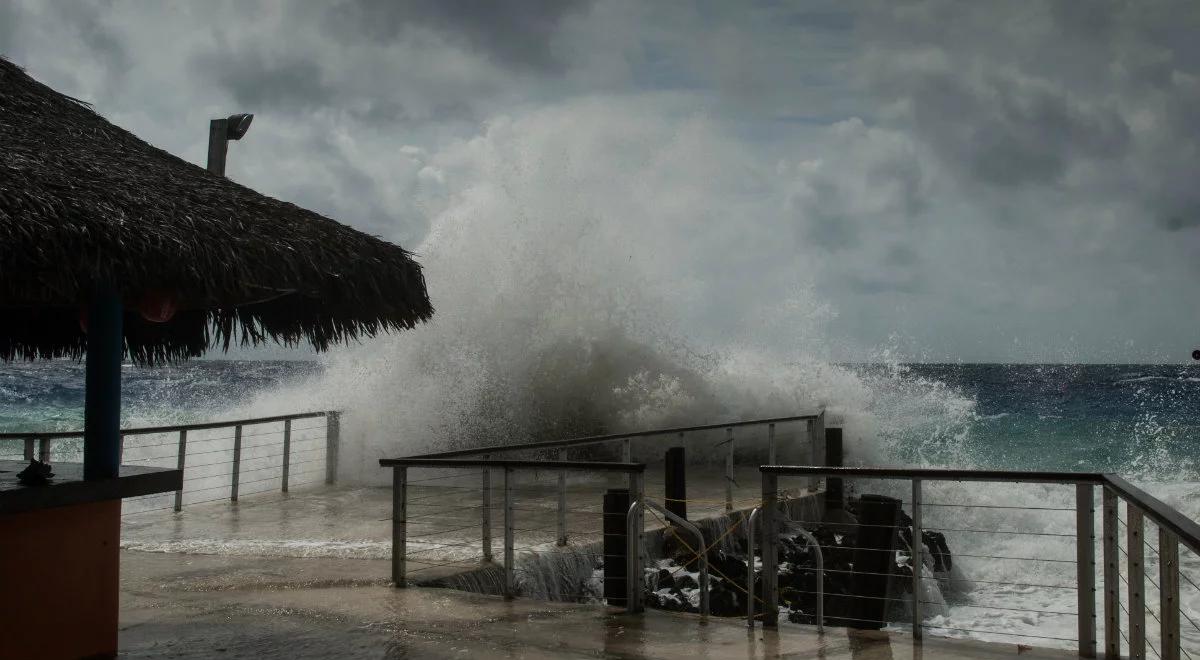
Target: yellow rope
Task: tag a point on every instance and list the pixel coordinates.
(749, 563)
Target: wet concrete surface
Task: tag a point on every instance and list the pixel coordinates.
(174, 606)
(444, 519)
(306, 576)
(266, 608)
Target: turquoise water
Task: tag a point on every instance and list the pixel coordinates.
(1134, 419)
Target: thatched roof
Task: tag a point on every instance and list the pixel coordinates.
(83, 201)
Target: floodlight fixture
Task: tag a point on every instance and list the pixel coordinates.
(237, 125)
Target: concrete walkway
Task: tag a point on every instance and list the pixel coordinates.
(263, 608)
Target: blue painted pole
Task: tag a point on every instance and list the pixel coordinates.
(102, 399)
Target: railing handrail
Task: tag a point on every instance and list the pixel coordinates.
(515, 464)
(937, 474)
(1159, 512)
(596, 439)
(146, 430)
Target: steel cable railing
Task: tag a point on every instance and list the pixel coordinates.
(237, 457)
(1110, 578)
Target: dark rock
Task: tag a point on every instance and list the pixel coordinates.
(724, 600)
(685, 581)
(665, 579)
(36, 474)
(797, 572)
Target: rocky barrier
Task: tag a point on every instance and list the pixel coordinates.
(672, 582)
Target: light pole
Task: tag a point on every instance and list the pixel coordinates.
(220, 132)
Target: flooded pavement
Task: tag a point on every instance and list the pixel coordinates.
(306, 575)
(264, 608)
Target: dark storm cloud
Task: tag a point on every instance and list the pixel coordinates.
(1101, 99)
(516, 33)
(987, 160)
(1008, 134)
(257, 80)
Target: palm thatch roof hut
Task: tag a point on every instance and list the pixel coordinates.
(98, 228)
(85, 203)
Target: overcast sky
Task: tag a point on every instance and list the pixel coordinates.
(977, 181)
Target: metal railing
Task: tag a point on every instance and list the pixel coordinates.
(221, 456)
(1132, 639)
(814, 430)
(446, 503)
(427, 537)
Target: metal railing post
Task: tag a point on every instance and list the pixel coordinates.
(729, 471)
(770, 566)
(562, 500)
(1085, 567)
(750, 566)
(29, 448)
(486, 508)
(44, 450)
(770, 444)
(180, 461)
(399, 525)
(917, 560)
(636, 538)
(287, 452)
(1168, 585)
(701, 556)
(1112, 587)
(510, 583)
(820, 554)
(333, 436)
(1137, 581)
(626, 451)
(237, 462)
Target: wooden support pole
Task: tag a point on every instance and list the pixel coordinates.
(102, 398)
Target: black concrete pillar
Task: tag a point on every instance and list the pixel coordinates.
(675, 482)
(874, 560)
(616, 546)
(835, 494)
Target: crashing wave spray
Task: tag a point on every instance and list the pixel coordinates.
(575, 283)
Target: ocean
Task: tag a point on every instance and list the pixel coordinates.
(1014, 562)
